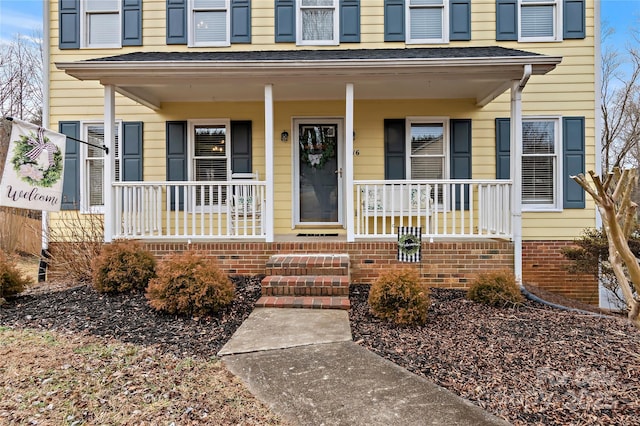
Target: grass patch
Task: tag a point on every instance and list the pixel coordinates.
(52, 378)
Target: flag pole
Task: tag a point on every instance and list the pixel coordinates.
(103, 147)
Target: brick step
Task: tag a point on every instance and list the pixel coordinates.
(305, 285)
(309, 302)
(308, 264)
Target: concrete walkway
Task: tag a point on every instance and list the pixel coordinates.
(303, 364)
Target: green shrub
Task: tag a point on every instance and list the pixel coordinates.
(399, 296)
(497, 289)
(189, 284)
(12, 281)
(123, 266)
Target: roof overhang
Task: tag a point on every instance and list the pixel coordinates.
(153, 78)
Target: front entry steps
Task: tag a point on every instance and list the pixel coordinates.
(315, 281)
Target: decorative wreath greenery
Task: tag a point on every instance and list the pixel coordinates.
(409, 244)
(29, 170)
(316, 148)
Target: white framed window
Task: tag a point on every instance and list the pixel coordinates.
(210, 157)
(540, 20)
(541, 163)
(427, 21)
(209, 23)
(317, 22)
(92, 166)
(101, 23)
(427, 145)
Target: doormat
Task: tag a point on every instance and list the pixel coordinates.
(317, 235)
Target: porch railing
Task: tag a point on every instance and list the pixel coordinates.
(193, 210)
(442, 208)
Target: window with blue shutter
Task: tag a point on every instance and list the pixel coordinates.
(285, 21)
(542, 164)
(460, 152)
(506, 20)
(394, 149)
(573, 141)
(459, 20)
(71, 179)
(573, 16)
(394, 20)
(176, 134)
(132, 22)
(131, 155)
(240, 21)
(69, 24)
(241, 141)
(349, 21)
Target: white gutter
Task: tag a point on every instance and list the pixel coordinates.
(516, 170)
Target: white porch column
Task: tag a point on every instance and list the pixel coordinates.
(348, 163)
(516, 177)
(109, 166)
(268, 161)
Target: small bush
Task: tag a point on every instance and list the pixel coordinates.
(123, 266)
(12, 281)
(189, 284)
(399, 296)
(497, 289)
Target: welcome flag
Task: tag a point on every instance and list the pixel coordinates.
(33, 170)
(409, 243)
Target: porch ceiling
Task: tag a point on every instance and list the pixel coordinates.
(153, 78)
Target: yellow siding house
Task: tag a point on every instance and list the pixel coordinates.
(246, 128)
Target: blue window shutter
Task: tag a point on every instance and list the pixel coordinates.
(393, 20)
(177, 156)
(461, 156)
(285, 21)
(71, 178)
(240, 21)
(176, 21)
(132, 151)
(132, 22)
(69, 24)
(573, 161)
(506, 20)
(349, 21)
(573, 16)
(241, 147)
(503, 148)
(394, 149)
(460, 20)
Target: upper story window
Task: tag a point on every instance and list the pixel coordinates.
(540, 20)
(427, 21)
(101, 21)
(540, 164)
(209, 23)
(317, 22)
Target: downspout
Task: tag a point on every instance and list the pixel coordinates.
(516, 170)
(44, 252)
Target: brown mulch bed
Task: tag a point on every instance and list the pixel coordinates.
(529, 365)
(128, 318)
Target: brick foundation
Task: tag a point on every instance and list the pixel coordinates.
(444, 264)
(544, 266)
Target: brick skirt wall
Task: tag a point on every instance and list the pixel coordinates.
(444, 264)
(544, 266)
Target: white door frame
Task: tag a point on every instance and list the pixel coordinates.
(295, 187)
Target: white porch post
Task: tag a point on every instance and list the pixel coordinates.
(268, 161)
(109, 162)
(348, 163)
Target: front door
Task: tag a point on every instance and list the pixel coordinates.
(319, 173)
